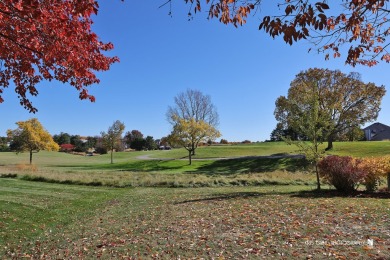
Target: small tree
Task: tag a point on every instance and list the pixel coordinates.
(30, 136)
(113, 136)
(188, 133)
(311, 124)
(193, 104)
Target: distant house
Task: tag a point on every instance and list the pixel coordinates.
(377, 132)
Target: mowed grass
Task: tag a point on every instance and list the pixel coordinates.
(249, 164)
(53, 221)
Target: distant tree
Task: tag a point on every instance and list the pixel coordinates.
(99, 146)
(164, 141)
(150, 143)
(30, 136)
(188, 133)
(279, 133)
(345, 101)
(352, 134)
(91, 141)
(135, 140)
(193, 104)
(113, 137)
(138, 144)
(62, 138)
(4, 144)
(79, 145)
(223, 141)
(355, 134)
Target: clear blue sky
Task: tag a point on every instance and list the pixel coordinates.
(243, 70)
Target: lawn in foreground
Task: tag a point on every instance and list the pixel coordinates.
(70, 221)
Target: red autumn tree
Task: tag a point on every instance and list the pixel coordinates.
(46, 40)
(361, 27)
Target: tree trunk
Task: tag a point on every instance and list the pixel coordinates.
(112, 161)
(193, 149)
(189, 156)
(31, 152)
(330, 144)
(388, 181)
(318, 178)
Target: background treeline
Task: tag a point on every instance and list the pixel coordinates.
(133, 140)
(350, 134)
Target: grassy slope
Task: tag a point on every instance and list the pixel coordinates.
(130, 171)
(357, 149)
(42, 220)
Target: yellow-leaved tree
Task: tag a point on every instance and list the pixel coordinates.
(188, 133)
(30, 136)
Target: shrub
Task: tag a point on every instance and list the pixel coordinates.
(343, 172)
(375, 168)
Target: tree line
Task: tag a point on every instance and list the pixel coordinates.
(194, 120)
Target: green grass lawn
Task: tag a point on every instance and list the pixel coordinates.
(246, 207)
(171, 169)
(58, 221)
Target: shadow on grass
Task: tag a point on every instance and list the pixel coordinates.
(227, 196)
(295, 194)
(134, 166)
(207, 167)
(335, 194)
(252, 164)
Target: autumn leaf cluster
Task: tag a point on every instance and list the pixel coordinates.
(47, 40)
(360, 28)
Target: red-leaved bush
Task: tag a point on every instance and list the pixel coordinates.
(343, 172)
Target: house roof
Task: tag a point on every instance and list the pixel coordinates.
(378, 132)
(378, 126)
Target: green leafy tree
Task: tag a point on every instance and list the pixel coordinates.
(311, 124)
(79, 144)
(150, 143)
(135, 140)
(91, 141)
(112, 138)
(4, 144)
(280, 132)
(344, 102)
(188, 133)
(30, 136)
(62, 138)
